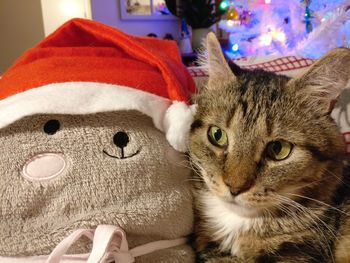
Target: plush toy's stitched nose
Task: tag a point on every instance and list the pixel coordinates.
(121, 139)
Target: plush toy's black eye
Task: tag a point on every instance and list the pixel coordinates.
(51, 127)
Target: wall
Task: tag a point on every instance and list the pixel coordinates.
(57, 12)
(21, 27)
(108, 12)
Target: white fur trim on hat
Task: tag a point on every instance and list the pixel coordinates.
(177, 124)
(92, 97)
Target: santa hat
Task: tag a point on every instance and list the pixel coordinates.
(86, 67)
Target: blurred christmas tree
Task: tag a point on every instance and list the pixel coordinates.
(264, 27)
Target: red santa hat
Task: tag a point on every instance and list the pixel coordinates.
(86, 67)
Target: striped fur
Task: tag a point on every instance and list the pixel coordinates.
(250, 208)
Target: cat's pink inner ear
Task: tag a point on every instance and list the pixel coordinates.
(44, 167)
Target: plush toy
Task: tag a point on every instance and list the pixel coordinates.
(89, 122)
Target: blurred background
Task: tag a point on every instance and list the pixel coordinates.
(306, 28)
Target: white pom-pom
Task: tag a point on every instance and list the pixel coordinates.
(177, 124)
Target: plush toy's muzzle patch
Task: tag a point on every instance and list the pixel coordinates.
(44, 166)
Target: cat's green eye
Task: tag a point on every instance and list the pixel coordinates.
(217, 136)
(279, 150)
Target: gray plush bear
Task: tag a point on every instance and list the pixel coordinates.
(92, 126)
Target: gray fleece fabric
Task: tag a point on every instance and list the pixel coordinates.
(147, 192)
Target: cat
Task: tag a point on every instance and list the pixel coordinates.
(270, 181)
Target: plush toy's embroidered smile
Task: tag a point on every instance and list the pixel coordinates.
(123, 156)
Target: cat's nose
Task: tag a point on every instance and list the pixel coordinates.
(236, 190)
(121, 139)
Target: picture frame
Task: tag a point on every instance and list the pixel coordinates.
(144, 10)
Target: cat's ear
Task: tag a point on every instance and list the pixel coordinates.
(218, 68)
(326, 79)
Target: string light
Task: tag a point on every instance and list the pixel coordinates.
(273, 35)
(231, 23)
(235, 47)
(265, 39)
(224, 5)
(278, 35)
(233, 14)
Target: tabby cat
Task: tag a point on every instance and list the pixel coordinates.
(270, 183)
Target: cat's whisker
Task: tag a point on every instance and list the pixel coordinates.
(183, 164)
(312, 216)
(309, 212)
(292, 215)
(194, 180)
(312, 183)
(196, 169)
(306, 185)
(320, 202)
(190, 165)
(338, 177)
